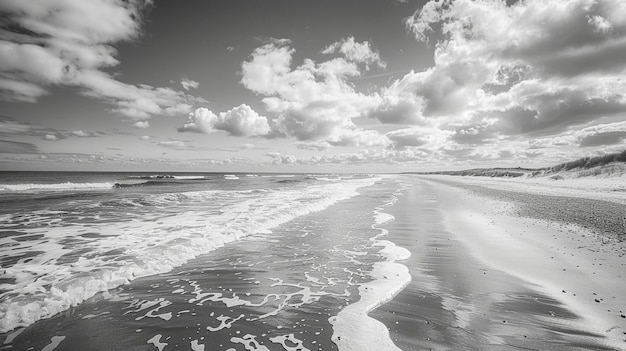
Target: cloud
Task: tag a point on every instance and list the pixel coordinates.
(607, 134)
(313, 145)
(313, 101)
(16, 147)
(356, 52)
(189, 84)
(142, 124)
(239, 121)
(428, 139)
(602, 139)
(10, 126)
(176, 145)
(365, 157)
(534, 68)
(82, 134)
(70, 43)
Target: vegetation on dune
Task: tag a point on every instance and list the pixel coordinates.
(590, 162)
(610, 164)
(488, 172)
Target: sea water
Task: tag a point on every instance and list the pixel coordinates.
(223, 261)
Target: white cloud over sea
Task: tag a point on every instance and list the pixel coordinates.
(239, 121)
(50, 43)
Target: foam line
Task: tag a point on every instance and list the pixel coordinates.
(353, 329)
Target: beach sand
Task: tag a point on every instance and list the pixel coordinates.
(492, 269)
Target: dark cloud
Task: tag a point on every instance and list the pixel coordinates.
(556, 113)
(16, 147)
(603, 139)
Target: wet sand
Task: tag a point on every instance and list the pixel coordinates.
(490, 274)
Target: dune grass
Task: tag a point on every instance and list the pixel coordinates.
(611, 165)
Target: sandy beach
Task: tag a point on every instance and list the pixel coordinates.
(497, 266)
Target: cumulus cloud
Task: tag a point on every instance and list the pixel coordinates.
(142, 124)
(70, 43)
(534, 68)
(313, 101)
(357, 52)
(239, 121)
(50, 137)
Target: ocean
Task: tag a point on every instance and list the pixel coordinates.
(191, 261)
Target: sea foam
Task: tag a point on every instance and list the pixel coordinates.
(55, 186)
(74, 261)
(353, 329)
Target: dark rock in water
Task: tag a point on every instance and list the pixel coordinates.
(287, 181)
(163, 176)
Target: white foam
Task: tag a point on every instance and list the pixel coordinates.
(196, 346)
(225, 323)
(156, 341)
(9, 339)
(55, 186)
(54, 342)
(353, 329)
(189, 177)
(287, 340)
(382, 218)
(181, 228)
(249, 343)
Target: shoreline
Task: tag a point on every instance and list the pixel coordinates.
(473, 236)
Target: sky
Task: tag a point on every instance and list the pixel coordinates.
(309, 86)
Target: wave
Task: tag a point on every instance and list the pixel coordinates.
(56, 186)
(133, 184)
(168, 176)
(144, 243)
(190, 177)
(287, 181)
